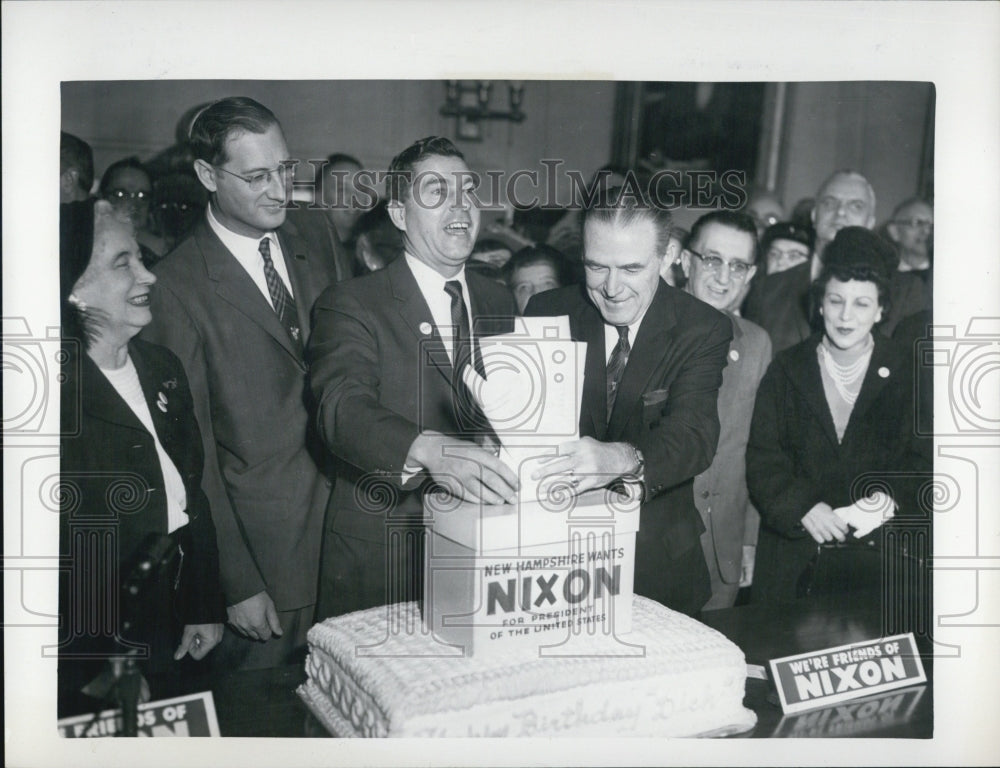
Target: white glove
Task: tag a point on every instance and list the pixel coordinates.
(867, 514)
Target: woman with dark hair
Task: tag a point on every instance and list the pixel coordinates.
(832, 422)
(128, 186)
(143, 576)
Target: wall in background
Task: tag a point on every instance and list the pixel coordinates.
(373, 120)
(876, 128)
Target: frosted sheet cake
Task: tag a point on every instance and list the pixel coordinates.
(377, 673)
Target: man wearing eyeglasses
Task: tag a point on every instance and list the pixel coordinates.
(911, 228)
(233, 302)
(720, 260)
(780, 303)
(649, 414)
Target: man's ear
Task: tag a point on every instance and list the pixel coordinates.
(686, 262)
(68, 182)
(673, 251)
(205, 174)
(893, 230)
(397, 214)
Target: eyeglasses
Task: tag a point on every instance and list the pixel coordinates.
(121, 195)
(832, 204)
(258, 182)
(737, 269)
(915, 223)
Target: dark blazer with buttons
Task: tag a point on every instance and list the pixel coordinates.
(380, 375)
(720, 492)
(794, 460)
(666, 407)
(114, 493)
(248, 382)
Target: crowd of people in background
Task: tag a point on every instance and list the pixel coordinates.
(274, 376)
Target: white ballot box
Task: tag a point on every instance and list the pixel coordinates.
(539, 575)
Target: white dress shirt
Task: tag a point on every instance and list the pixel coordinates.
(246, 250)
(431, 284)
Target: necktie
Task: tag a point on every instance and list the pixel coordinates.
(284, 303)
(616, 365)
(470, 417)
(463, 347)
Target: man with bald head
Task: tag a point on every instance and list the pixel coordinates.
(780, 302)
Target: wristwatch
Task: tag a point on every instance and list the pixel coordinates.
(640, 466)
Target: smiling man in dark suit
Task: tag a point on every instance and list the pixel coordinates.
(384, 361)
(232, 302)
(654, 366)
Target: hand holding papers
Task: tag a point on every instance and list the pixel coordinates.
(867, 514)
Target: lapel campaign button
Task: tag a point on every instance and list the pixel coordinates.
(734, 355)
(883, 372)
(425, 329)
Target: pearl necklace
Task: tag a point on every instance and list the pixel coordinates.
(846, 379)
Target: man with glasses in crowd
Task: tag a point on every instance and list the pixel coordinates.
(653, 369)
(911, 228)
(720, 260)
(232, 301)
(780, 302)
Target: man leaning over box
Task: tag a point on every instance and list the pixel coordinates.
(654, 365)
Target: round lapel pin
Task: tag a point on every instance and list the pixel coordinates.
(734, 355)
(425, 329)
(883, 372)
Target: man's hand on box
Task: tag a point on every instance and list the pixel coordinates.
(463, 468)
(586, 464)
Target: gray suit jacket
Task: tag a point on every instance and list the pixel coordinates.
(720, 492)
(248, 383)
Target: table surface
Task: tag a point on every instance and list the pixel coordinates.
(264, 702)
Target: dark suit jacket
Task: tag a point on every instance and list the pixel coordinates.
(780, 304)
(248, 384)
(114, 482)
(794, 460)
(720, 492)
(665, 407)
(380, 376)
(321, 239)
